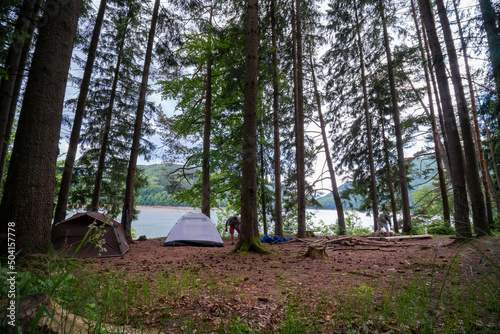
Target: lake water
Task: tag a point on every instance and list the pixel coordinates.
(154, 222)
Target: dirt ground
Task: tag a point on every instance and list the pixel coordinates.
(259, 276)
(371, 260)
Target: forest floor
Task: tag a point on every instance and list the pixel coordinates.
(255, 291)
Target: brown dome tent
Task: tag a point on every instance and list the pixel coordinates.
(68, 234)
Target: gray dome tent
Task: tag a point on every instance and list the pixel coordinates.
(68, 234)
(194, 229)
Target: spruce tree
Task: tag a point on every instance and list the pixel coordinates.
(30, 182)
(471, 165)
(127, 212)
(62, 199)
(461, 205)
(113, 97)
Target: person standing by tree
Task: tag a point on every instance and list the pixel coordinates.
(234, 224)
(384, 221)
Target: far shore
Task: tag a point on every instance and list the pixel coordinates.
(161, 207)
(182, 208)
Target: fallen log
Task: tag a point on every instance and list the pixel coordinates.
(383, 245)
(351, 249)
(39, 314)
(338, 240)
(298, 240)
(402, 237)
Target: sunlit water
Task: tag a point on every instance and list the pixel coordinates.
(154, 222)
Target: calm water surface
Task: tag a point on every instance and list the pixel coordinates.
(154, 222)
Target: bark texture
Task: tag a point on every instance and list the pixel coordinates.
(477, 131)
(205, 170)
(299, 130)
(471, 165)
(249, 240)
(21, 68)
(326, 147)
(462, 223)
(278, 217)
(29, 189)
(432, 118)
(128, 202)
(62, 198)
(373, 178)
(492, 28)
(96, 195)
(26, 16)
(405, 205)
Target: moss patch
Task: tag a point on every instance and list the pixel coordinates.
(253, 246)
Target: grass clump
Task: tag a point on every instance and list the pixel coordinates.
(462, 295)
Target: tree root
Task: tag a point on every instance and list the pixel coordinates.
(254, 246)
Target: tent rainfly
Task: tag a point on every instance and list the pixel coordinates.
(68, 234)
(194, 229)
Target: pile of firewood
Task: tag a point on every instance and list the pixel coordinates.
(317, 248)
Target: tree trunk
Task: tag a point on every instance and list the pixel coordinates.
(481, 226)
(249, 240)
(27, 14)
(62, 199)
(435, 134)
(371, 159)
(390, 182)
(30, 182)
(300, 136)
(205, 169)
(17, 89)
(490, 19)
(477, 131)
(278, 218)
(263, 201)
(128, 202)
(428, 60)
(461, 205)
(333, 179)
(397, 126)
(94, 206)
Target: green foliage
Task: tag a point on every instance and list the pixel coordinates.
(428, 203)
(352, 225)
(164, 187)
(459, 302)
(446, 299)
(237, 326)
(327, 202)
(9, 153)
(224, 46)
(417, 227)
(490, 114)
(222, 214)
(124, 22)
(440, 229)
(113, 185)
(26, 282)
(496, 223)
